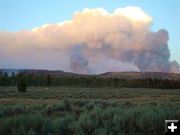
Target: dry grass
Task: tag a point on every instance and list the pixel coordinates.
(10, 95)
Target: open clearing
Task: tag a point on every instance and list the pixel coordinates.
(121, 95)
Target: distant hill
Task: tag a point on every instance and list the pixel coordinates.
(122, 75)
(40, 72)
(141, 75)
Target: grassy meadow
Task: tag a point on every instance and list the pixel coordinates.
(87, 111)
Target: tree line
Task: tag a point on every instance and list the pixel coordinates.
(85, 81)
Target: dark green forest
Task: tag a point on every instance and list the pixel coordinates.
(88, 81)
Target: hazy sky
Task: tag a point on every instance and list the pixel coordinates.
(17, 15)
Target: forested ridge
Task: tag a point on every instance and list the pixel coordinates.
(33, 79)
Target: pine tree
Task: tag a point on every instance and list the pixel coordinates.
(21, 83)
(13, 79)
(48, 81)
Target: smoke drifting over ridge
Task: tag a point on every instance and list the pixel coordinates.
(94, 41)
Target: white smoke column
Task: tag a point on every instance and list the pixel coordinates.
(94, 41)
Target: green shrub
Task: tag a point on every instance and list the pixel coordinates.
(67, 104)
(63, 126)
(120, 119)
(90, 106)
(86, 123)
(100, 131)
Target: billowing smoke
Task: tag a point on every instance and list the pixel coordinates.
(78, 61)
(94, 41)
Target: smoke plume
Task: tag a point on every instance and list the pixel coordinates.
(94, 41)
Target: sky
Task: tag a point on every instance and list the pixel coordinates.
(18, 15)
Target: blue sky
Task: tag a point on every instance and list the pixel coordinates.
(16, 15)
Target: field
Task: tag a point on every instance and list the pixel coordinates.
(86, 111)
